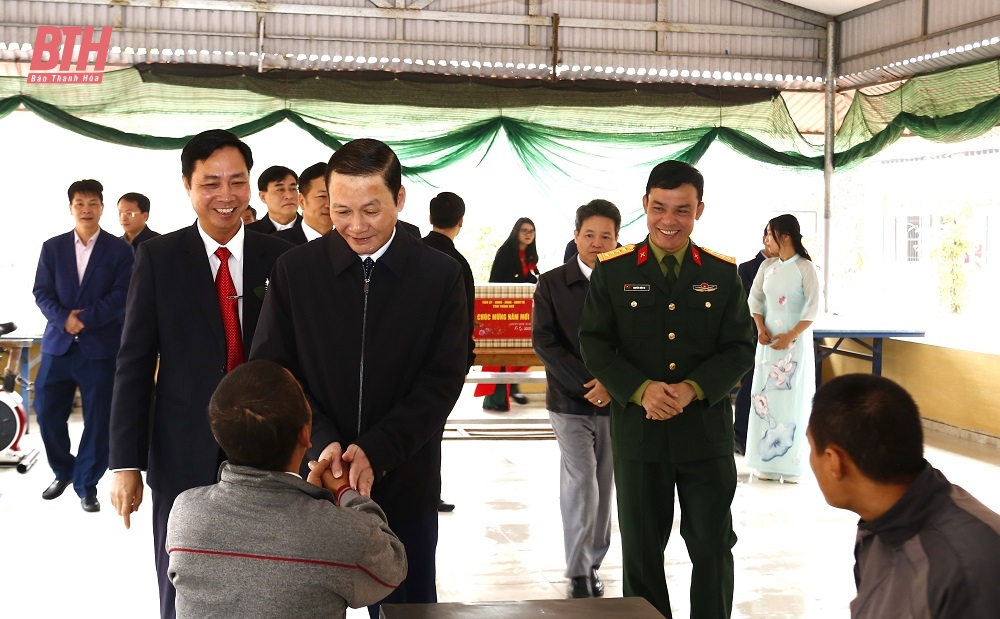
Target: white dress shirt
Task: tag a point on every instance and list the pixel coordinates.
(584, 268)
(310, 232)
(83, 252)
(381, 250)
(235, 247)
(278, 227)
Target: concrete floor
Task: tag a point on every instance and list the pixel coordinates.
(503, 542)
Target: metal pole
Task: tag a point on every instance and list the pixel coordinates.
(830, 126)
(554, 76)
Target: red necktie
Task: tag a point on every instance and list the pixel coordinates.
(229, 304)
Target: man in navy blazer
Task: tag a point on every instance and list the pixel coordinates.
(174, 333)
(80, 287)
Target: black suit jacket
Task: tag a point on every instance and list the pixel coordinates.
(264, 225)
(748, 270)
(409, 228)
(555, 336)
(145, 235)
(446, 246)
(172, 315)
(412, 341)
(507, 269)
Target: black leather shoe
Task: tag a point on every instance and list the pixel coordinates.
(445, 507)
(55, 489)
(90, 503)
(579, 587)
(496, 409)
(520, 398)
(740, 450)
(596, 585)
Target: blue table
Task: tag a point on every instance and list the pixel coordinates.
(856, 330)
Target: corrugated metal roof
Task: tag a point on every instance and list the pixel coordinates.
(605, 40)
(718, 42)
(891, 43)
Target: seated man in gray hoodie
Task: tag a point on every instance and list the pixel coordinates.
(263, 542)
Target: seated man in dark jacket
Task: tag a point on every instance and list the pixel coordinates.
(925, 547)
(577, 402)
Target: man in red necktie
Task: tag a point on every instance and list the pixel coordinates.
(190, 316)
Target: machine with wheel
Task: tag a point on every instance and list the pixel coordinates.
(13, 417)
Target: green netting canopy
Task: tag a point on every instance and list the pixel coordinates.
(553, 128)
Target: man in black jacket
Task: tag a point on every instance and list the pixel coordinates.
(577, 402)
(447, 212)
(133, 213)
(747, 271)
(315, 205)
(278, 188)
(372, 322)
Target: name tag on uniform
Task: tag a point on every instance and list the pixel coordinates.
(703, 287)
(636, 287)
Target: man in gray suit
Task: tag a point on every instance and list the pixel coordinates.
(577, 402)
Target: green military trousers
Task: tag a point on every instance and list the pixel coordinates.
(705, 489)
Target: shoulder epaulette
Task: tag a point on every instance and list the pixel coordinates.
(614, 253)
(716, 254)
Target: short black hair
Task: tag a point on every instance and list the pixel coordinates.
(366, 157)
(201, 147)
(672, 174)
(875, 421)
(316, 170)
(141, 201)
(447, 209)
(257, 413)
(88, 187)
(253, 211)
(274, 174)
(601, 208)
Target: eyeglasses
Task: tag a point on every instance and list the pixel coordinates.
(127, 214)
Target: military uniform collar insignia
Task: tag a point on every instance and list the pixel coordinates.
(695, 255)
(643, 255)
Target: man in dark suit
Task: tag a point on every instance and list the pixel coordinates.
(315, 205)
(193, 304)
(447, 214)
(133, 214)
(279, 191)
(741, 416)
(80, 287)
(666, 329)
(372, 322)
(578, 402)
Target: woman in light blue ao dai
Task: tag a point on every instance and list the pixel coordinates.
(784, 301)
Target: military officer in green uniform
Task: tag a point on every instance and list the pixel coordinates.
(666, 329)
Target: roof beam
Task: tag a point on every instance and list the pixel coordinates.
(921, 39)
(451, 16)
(789, 10)
(871, 8)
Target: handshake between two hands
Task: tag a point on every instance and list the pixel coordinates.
(321, 475)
